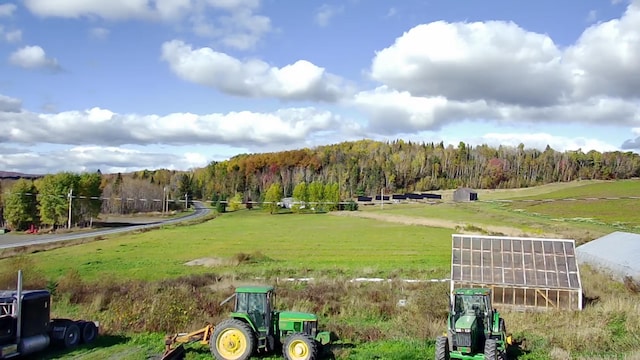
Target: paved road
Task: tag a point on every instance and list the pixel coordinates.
(9, 241)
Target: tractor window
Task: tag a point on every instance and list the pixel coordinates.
(470, 304)
(251, 303)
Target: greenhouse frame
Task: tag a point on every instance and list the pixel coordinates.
(523, 273)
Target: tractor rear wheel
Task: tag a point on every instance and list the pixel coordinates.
(442, 348)
(490, 350)
(300, 347)
(232, 340)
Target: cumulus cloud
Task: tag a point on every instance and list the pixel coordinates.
(100, 138)
(326, 12)
(492, 61)
(234, 23)
(242, 29)
(634, 143)
(540, 141)
(441, 73)
(7, 9)
(33, 57)
(301, 80)
(604, 60)
(9, 104)
(103, 127)
(391, 111)
(92, 158)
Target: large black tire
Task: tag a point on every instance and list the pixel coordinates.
(442, 348)
(232, 339)
(490, 350)
(300, 347)
(88, 331)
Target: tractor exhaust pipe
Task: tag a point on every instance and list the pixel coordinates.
(18, 308)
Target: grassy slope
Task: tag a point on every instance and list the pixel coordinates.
(337, 247)
(296, 244)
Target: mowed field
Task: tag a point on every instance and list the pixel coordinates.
(140, 287)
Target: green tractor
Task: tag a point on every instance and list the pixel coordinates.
(475, 329)
(255, 327)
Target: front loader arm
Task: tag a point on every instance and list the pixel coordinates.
(173, 343)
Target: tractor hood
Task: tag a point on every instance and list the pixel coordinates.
(465, 323)
(297, 316)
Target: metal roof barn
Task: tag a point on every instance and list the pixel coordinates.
(617, 253)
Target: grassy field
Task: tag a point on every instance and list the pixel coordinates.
(139, 287)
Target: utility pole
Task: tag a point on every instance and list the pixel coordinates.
(382, 198)
(70, 198)
(186, 201)
(164, 197)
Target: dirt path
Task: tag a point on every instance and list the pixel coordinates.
(410, 220)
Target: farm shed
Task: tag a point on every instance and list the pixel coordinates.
(432, 196)
(523, 273)
(616, 253)
(465, 194)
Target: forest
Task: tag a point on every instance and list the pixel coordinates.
(348, 169)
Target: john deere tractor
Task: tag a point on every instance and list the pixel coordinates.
(255, 327)
(475, 329)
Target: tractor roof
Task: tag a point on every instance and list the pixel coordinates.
(254, 289)
(472, 291)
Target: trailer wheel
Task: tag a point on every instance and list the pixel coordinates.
(71, 337)
(88, 331)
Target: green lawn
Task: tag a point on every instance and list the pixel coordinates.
(291, 244)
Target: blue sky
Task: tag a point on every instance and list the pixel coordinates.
(122, 85)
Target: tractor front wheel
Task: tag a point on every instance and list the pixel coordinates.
(300, 347)
(442, 348)
(490, 350)
(232, 340)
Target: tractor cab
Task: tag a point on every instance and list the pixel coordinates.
(474, 329)
(255, 304)
(473, 303)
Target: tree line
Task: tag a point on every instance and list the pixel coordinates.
(366, 167)
(319, 175)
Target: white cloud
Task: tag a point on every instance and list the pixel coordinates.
(604, 61)
(326, 12)
(301, 80)
(493, 61)
(107, 159)
(33, 57)
(99, 33)
(103, 127)
(232, 22)
(9, 104)
(7, 9)
(393, 112)
(541, 140)
(13, 36)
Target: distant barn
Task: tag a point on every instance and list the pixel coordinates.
(431, 196)
(465, 194)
